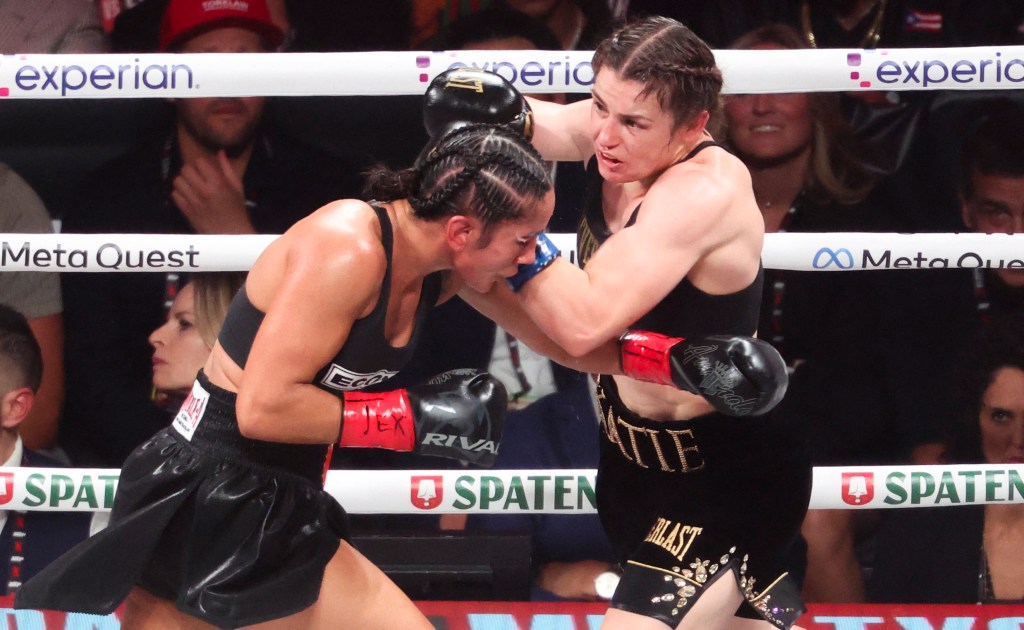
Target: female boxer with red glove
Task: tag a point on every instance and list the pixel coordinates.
(221, 519)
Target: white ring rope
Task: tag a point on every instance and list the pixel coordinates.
(819, 251)
(547, 491)
(533, 71)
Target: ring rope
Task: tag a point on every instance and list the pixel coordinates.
(162, 75)
(544, 491)
(818, 251)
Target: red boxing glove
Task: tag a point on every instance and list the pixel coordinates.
(458, 414)
(645, 356)
(378, 420)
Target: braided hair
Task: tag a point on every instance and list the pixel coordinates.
(671, 61)
(487, 171)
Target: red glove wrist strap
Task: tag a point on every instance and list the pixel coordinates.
(645, 356)
(378, 420)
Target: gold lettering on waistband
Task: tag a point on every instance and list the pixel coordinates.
(683, 450)
(632, 439)
(609, 424)
(687, 452)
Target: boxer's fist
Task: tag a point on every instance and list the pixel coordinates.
(459, 414)
(739, 376)
(463, 96)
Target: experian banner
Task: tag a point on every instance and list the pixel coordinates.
(163, 75)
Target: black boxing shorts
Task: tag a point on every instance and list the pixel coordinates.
(233, 531)
(685, 503)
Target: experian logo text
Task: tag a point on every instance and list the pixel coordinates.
(132, 76)
(534, 73)
(934, 72)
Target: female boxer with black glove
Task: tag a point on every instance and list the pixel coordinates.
(702, 501)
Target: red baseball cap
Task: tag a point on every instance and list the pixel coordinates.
(187, 18)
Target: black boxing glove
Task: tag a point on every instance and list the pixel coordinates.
(739, 376)
(463, 96)
(458, 414)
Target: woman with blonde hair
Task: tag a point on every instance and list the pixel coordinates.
(182, 344)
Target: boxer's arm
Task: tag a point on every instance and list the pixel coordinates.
(312, 283)
(637, 267)
(501, 305)
(561, 132)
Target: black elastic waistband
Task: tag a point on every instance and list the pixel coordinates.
(218, 434)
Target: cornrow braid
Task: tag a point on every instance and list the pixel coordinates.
(489, 171)
(444, 194)
(670, 60)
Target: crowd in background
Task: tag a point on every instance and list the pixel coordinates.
(886, 367)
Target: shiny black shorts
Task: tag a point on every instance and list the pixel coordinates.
(686, 502)
(233, 531)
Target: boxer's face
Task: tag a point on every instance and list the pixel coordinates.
(997, 207)
(494, 254)
(634, 138)
(1001, 418)
(178, 350)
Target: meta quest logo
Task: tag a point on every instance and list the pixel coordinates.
(843, 258)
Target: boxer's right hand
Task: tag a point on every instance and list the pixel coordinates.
(463, 96)
(738, 375)
(458, 414)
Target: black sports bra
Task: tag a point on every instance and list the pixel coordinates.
(367, 359)
(686, 311)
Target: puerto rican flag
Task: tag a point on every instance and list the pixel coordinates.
(915, 20)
